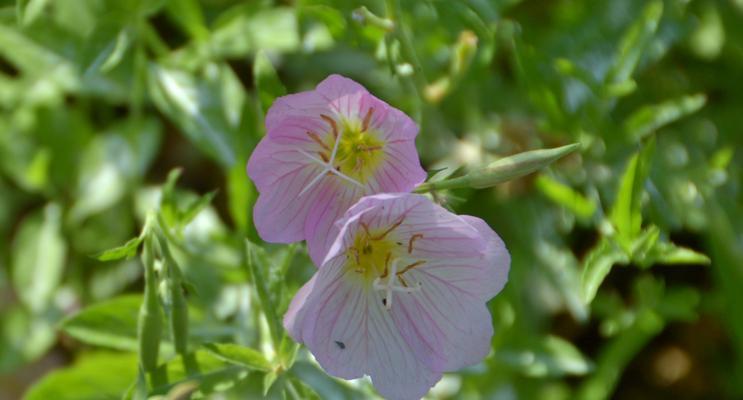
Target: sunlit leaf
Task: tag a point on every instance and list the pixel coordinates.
(635, 42)
(548, 356)
(39, 253)
(596, 267)
(125, 251)
(266, 81)
(649, 118)
(206, 108)
(88, 379)
(565, 196)
(111, 323)
(626, 213)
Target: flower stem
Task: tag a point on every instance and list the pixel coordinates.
(394, 14)
(259, 282)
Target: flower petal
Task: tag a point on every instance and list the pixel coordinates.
(280, 173)
(447, 327)
(320, 230)
(497, 260)
(309, 104)
(336, 86)
(344, 325)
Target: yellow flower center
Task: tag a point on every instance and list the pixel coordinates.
(359, 151)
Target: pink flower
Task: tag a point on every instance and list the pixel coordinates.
(325, 149)
(401, 295)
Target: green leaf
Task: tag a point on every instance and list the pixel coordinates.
(94, 376)
(550, 356)
(24, 337)
(565, 196)
(198, 205)
(268, 380)
(287, 352)
(30, 10)
(643, 244)
(626, 213)
(111, 323)
(125, 251)
(39, 253)
(596, 267)
(635, 42)
(188, 14)
(244, 30)
(267, 82)
(239, 355)
(560, 266)
(648, 119)
(214, 375)
(242, 195)
(503, 170)
(207, 108)
(669, 253)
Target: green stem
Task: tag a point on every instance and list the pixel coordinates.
(149, 329)
(394, 14)
(154, 41)
(259, 282)
(178, 304)
(617, 354)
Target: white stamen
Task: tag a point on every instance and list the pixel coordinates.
(335, 147)
(327, 167)
(390, 286)
(312, 183)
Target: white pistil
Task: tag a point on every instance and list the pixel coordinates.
(327, 167)
(390, 286)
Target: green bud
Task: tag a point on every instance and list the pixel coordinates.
(149, 328)
(503, 170)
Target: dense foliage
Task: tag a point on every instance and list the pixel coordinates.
(126, 212)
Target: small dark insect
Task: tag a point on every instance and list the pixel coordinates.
(341, 345)
(384, 302)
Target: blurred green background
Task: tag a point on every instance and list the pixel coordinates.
(627, 255)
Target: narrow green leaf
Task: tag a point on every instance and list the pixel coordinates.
(268, 380)
(626, 213)
(615, 356)
(239, 355)
(643, 244)
(197, 206)
(635, 42)
(30, 10)
(190, 17)
(596, 267)
(119, 48)
(503, 170)
(287, 352)
(267, 82)
(92, 377)
(39, 253)
(648, 119)
(669, 253)
(255, 269)
(565, 196)
(242, 195)
(125, 251)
